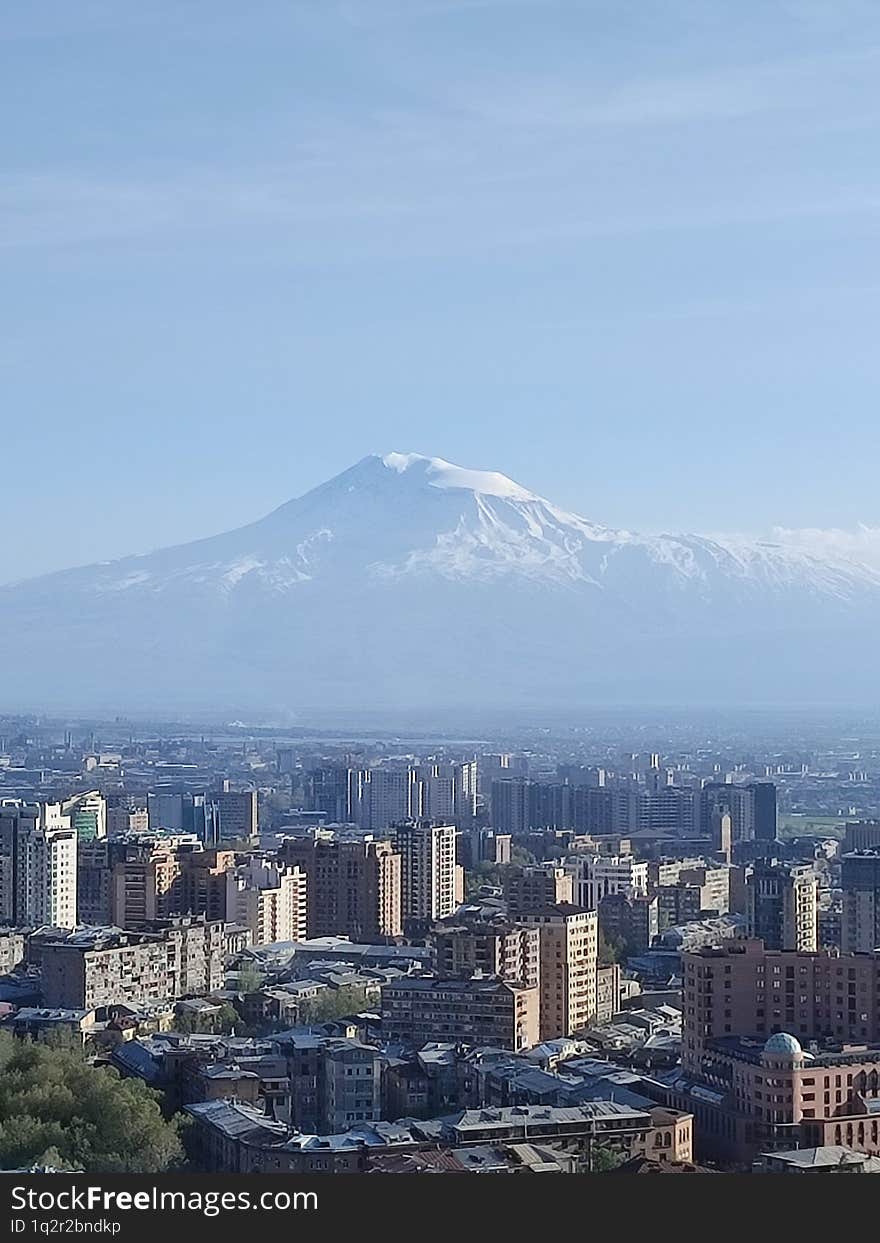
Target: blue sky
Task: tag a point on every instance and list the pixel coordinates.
(626, 252)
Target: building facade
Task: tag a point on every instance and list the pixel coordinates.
(569, 960)
(418, 1011)
(353, 885)
(38, 865)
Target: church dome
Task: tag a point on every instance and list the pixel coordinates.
(781, 1044)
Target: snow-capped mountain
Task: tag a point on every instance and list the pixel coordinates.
(408, 580)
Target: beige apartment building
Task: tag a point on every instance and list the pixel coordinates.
(144, 887)
(202, 883)
(88, 969)
(780, 1050)
(353, 886)
(268, 899)
(419, 1010)
(428, 870)
(537, 887)
(509, 951)
(568, 964)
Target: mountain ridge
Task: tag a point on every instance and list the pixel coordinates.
(409, 574)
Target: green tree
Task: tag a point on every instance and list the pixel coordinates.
(605, 1159)
(250, 978)
(611, 948)
(57, 1109)
(220, 1022)
(334, 1004)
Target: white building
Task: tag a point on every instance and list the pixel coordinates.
(37, 865)
(600, 876)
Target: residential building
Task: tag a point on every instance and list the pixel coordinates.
(381, 797)
(327, 791)
(782, 905)
(860, 921)
(428, 880)
(98, 967)
(599, 876)
(780, 1049)
(482, 1010)
(510, 805)
(354, 885)
(352, 1086)
(88, 815)
(202, 882)
(608, 980)
(633, 921)
(569, 958)
(37, 865)
(145, 885)
(751, 807)
(269, 899)
(237, 815)
(535, 887)
(509, 951)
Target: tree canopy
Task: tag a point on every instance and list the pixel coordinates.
(336, 1003)
(56, 1109)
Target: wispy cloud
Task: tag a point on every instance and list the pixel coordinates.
(722, 93)
(861, 544)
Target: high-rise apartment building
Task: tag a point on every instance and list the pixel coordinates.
(201, 884)
(268, 899)
(510, 805)
(37, 865)
(381, 797)
(327, 790)
(860, 922)
(509, 951)
(751, 806)
(94, 880)
(145, 885)
(536, 886)
(428, 876)
(782, 906)
(568, 963)
(354, 886)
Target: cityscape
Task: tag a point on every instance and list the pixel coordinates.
(439, 608)
(314, 951)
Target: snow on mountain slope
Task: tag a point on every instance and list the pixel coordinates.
(409, 561)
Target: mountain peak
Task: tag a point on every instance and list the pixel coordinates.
(439, 473)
